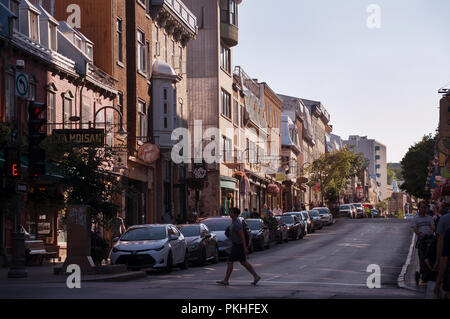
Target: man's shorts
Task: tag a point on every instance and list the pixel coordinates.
(237, 253)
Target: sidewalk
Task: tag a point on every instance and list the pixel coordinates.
(407, 279)
(45, 274)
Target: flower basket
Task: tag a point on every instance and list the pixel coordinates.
(273, 189)
(239, 175)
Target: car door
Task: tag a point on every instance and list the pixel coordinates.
(206, 240)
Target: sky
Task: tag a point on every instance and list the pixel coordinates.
(377, 82)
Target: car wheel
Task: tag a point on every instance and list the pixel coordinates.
(169, 263)
(185, 263)
(216, 257)
(287, 239)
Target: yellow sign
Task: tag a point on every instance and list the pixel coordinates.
(280, 177)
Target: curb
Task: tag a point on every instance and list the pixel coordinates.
(119, 277)
(401, 278)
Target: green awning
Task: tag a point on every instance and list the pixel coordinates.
(228, 182)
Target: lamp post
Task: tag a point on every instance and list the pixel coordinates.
(121, 130)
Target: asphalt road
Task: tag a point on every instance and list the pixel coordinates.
(331, 263)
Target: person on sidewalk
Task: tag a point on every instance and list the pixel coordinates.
(423, 226)
(444, 268)
(117, 227)
(442, 226)
(238, 249)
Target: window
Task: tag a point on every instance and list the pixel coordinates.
(229, 12)
(242, 115)
(378, 166)
(227, 149)
(148, 59)
(119, 40)
(14, 7)
(377, 157)
(90, 51)
(225, 58)
(120, 101)
(52, 37)
(34, 27)
(78, 42)
(180, 59)
(141, 48)
(67, 110)
(10, 97)
(226, 104)
(236, 113)
(142, 122)
(156, 40)
(165, 48)
(51, 111)
(172, 53)
(377, 148)
(109, 128)
(86, 115)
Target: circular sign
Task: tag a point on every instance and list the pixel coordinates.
(149, 153)
(22, 85)
(199, 173)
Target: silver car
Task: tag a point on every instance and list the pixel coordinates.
(151, 246)
(325, 215)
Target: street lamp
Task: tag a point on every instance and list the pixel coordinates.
(121, 129)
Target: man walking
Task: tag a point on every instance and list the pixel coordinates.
(238, 249)
(117, 227)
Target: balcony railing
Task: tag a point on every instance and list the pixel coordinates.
(181, 11)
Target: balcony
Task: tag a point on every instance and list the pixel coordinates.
(229, 34)
(229, 31)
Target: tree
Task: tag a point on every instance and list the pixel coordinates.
(394, 172)
(415, 167)
(87, 177)
(332, 170)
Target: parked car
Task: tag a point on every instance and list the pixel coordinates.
(282, 233)
(325, 215)
(202, 244)
(151, 246)
(346, 210)
(316, 219)
(260, 233)
(375, 213)
(309, 223)
(293, 226)
(218, 225)
(360, 212)
(303, 221)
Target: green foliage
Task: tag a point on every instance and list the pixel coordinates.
(415, 167)
(87, 177)
(382, 205)
(332, 170)
(393, 173)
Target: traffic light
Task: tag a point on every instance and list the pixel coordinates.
(12, 163)
(36, 135)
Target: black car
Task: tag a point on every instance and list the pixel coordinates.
(302, 219)
(315, 219)
(202, 244)
(293, 226)
(218, 225)
(282, 233)
(260, 232)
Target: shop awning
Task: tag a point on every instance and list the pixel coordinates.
(228, 182)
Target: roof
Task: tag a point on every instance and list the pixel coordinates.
(162, 68)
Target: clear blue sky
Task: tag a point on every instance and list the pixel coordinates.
(381, 83)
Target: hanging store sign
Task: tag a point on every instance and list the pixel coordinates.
(89, 137)
(149, 153)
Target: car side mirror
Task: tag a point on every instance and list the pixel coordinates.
(116, 239)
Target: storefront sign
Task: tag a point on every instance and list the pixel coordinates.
(149, 153)
(89, 137)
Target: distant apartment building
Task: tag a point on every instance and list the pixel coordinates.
(376, 154)
(211, 100)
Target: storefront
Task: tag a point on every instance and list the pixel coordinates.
(227, 191)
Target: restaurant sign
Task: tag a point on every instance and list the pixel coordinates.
(88, 137)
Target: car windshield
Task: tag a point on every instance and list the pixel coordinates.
(217, 224)
(344, 207)
(322, 210)
(253, 224)
(190, 231)
(145, 233)
(289, 220)
(314, 213)
(357, 205)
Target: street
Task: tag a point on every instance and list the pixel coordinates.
(330, 263)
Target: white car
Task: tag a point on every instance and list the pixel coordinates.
(151, 246)
(325, 215)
